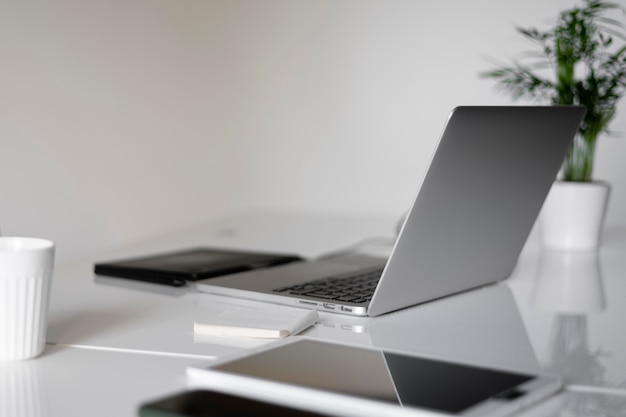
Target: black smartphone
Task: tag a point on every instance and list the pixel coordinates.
(205, 403)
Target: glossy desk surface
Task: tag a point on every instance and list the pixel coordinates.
(113, 343)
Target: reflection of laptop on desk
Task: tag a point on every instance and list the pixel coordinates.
(483, 190)
(483, 327)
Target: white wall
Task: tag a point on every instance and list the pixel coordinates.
(122, 119)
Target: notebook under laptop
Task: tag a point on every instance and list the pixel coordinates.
(477, 203)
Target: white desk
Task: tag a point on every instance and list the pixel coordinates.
(115, 343)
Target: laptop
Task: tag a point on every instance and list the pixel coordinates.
(483, 190)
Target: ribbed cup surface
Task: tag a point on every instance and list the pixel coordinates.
(23, 314)
(25, 274)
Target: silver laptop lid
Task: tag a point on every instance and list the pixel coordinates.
(476, 205)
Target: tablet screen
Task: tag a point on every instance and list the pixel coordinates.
(389, 377)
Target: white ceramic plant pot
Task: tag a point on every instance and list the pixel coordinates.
(573, 214)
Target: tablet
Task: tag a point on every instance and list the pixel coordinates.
(204, 403)
(348, 380)
(177, 267)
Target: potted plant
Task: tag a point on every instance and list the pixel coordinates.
(581, 60)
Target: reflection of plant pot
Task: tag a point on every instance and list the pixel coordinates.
(569, 282)
(572, 217)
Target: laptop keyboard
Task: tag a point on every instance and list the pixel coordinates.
(357, 288)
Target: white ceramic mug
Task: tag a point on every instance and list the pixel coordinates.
(25, 279)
